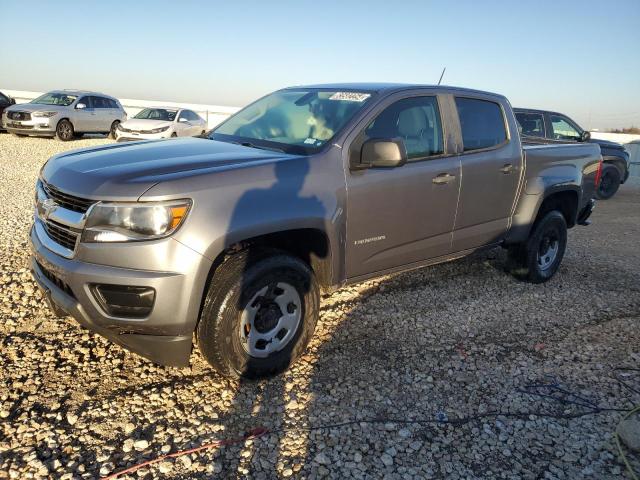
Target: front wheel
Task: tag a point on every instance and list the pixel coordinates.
(64, 130)
(259, 314)
(539, 258)
(609, 182)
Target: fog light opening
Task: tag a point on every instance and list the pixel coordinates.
(124, 300)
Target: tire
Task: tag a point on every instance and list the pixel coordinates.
(112, 130)
(539, 258)
(174, 135)
(64, 130)
(609, 182)
(260, 279)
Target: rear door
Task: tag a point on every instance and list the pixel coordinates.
(105, 113)
(491, 165)
(398, 216)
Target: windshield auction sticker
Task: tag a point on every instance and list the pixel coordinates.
(350, 96)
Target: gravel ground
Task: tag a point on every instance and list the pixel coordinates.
(417, 363)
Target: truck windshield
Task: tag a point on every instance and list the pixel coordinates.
(297, 121)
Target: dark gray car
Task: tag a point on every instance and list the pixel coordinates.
(232, 237)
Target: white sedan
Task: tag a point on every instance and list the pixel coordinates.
(161, 122)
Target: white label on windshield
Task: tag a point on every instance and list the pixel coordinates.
(310, 141)
(350, 96)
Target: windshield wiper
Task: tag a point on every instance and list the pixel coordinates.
(260, 147)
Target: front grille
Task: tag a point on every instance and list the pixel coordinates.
(19, 115)
(61, 234)
(57, 281)
(70, 202)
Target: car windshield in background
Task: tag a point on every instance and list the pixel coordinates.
(157, 114)
(294, 121)
(61, 99)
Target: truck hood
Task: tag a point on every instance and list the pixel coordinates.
(607, 143)
(126, 171)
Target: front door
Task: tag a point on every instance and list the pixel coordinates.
(398, 216)
(85, 118)
(491, 169)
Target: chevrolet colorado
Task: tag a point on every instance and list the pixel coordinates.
(231, 237)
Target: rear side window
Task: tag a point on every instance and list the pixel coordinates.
(532, 124)
(112, 103)
(482, 123)
(416, 121)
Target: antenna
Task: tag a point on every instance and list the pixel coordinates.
(442, 75)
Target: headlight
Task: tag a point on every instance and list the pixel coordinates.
(158, 130)
(43, 114)
(127, 222)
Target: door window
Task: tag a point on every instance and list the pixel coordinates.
(563, 129)
(482, 123)
(532, 124)
(4, 100)
(87, 101)
(414, 120)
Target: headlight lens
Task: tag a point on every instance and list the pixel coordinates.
(158, 130)
(43, 114)
(127, 222)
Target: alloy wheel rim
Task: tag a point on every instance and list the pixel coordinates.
(270, 319)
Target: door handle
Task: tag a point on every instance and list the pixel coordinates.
(507, 168)
(443, 178)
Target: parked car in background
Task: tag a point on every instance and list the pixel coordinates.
(233, 236)
(65, 114)
(542, 126)
(161, 122)
(5, 102)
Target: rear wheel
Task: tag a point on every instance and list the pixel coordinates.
(64, 130)
(609, 182)
(174, 135)
(539, 258)
(259, 314)
(112, 131)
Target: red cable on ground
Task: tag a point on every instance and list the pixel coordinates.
(251, 434)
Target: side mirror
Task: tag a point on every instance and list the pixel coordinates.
(585, 136)
(183, 120)
(80, 106)
(383, 153)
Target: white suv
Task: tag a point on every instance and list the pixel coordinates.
(66, 114)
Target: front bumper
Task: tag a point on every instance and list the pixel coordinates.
(165, 335)
(132, 137)
(37, 126)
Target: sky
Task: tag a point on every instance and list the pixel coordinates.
(581, 58)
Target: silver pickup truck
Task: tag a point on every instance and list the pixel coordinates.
(232, 237)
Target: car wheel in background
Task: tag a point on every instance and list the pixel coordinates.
(174, 135)
(64, 130)
(259, 313)
(539, 258)
(112, 132)
(609, 182)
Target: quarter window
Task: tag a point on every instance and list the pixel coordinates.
(414, 120)
(532, 124)
(482, 123)
(562, 129)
